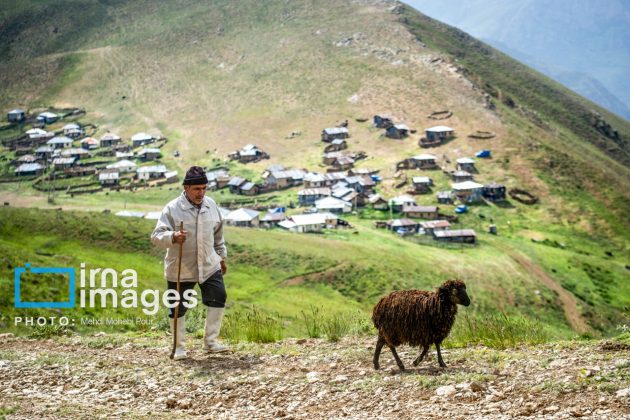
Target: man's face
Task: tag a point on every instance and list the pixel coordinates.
(195, 193)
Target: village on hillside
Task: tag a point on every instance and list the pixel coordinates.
(57, 154)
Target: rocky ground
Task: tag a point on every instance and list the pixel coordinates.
(111, 376)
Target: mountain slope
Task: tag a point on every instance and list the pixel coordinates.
(585, 36)
(215, 76)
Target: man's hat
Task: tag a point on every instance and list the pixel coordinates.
(195, 176)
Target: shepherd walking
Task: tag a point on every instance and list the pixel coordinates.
(202, 249)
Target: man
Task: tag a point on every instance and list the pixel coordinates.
(203, 257)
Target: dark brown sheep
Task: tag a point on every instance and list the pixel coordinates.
(417, 318)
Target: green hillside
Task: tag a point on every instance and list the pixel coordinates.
(214, 76)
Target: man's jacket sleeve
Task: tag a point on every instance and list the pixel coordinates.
(219, 242)
(162, 235)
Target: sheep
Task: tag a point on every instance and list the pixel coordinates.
(417, 318)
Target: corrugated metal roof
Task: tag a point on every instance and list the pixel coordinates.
(29, 167)
(152, 169)
(141, 136)
(421, 180)
(435, 224)
(440, 129)
(314, 191)
(336, 130)
(454, 233)
(312, 219)
(467, 185)
(424, 156)
(242, 215)
(106, 176)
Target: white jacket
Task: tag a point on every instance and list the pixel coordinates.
(204, 247)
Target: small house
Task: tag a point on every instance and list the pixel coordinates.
(109, 179)
(397, 131)
(309, 196)
(422, 184)
(26, 159)
(62, 163)
(47, 117)
(122, 166)
(72, 130)
(314, 180)
(243, 217)
(468, 191)
(330, 157)
(363, 172)
(397, 203)
(382, 121)
(171, 177)
(336, 145)
(110, 139)
(89, 143)
(272, 218)
(29, 169)
(147, 154)
(249, 153)
(217, 179)
(434, 225)
(334, 177)
(304, 223)
(403, 226)
(235, 184)
(361, 184)
(494, 192)
(461, 176)
(466, 164)
(23, 150)
(439, 133)
(147, 173)
(16, 115)
(249, 188)
(286, 178)
(377, 202)
(425, 161)
(141, 139)
(38, 133)
(76, 153)
(414, 211)
(80, 171)
(44, 152)
(445, 197)
(122, 148)
(333, 205)
(334, 133)
(343, 163)
(464, 235)
(60, 142)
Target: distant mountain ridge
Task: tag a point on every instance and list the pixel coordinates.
(565, 37)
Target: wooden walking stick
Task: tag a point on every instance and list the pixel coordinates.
(176, 312)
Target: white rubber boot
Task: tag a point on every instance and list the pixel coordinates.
(180, 340)
(214, 317)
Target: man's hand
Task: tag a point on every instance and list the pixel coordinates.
(223, 268)
(179, 237)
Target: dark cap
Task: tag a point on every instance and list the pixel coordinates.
(195, 176)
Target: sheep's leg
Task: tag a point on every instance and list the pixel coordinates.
(377, 351)
(439, 353)
(420, 358)
(398, 361)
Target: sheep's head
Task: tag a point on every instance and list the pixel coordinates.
(455, 290)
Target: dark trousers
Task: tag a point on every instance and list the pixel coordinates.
(212, 293)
